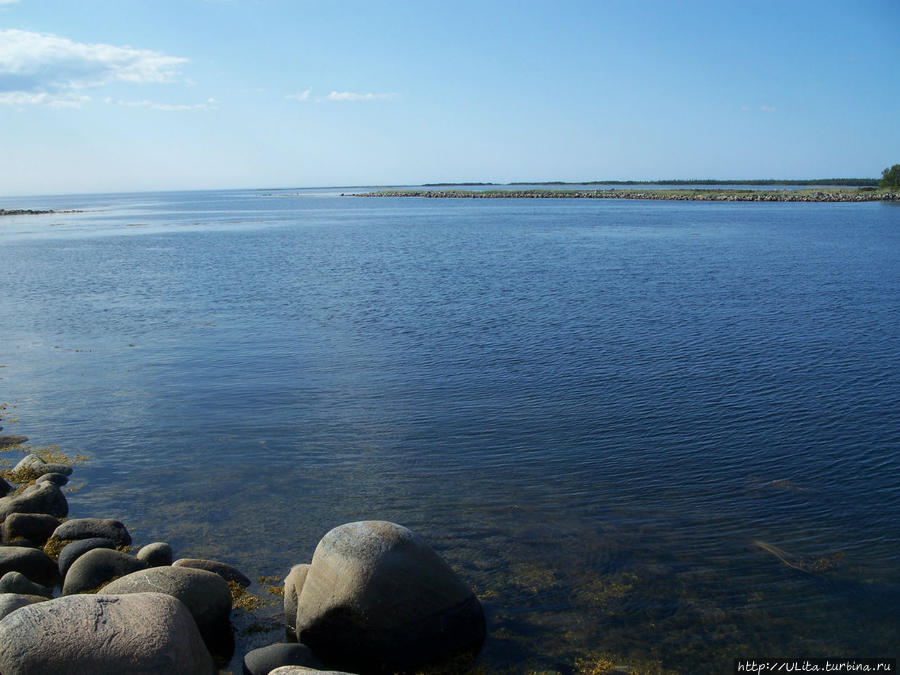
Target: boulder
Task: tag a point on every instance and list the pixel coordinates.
(35, 466)
(16, 582)
(377, 598)
(75, 549)
(97, 567)
(34, 564)
(205, 594)
(59, 479)
(305, 670)
(10, 602)
(264, 660)
(86, 528)
(157, 554)
(293, 584)
(35, 527)
(140, 634)
(224, 570)
(37, 498)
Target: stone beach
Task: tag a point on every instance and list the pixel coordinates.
(74, 598)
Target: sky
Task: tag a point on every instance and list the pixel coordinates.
(128, 95)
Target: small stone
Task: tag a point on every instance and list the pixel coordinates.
(97, 567)
(264, 660)
(85, 528)
(34, 564)
(157, 554)
(35, 527)
(16, 582)
(224, 570)
(10, 602)
(75, 549)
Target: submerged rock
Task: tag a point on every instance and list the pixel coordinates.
(377, 598)
(86, 528)
(224, 570)
(140, 634)
(9, 440)
(97, 567)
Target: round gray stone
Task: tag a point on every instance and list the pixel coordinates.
(157, 554)
(37, 498)
(34, 465)
(16, 582)
(140, 634)
(75, 549)
(86, 528)
(97, 567)
(265, 659)
(35, 527)
(34, 564)
(378, 598)
(10, 602)
(224, 570)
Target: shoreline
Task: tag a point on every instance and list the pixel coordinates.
(696, 195)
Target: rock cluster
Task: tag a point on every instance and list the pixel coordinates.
(373, 599)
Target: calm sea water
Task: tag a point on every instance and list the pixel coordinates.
(619, 421)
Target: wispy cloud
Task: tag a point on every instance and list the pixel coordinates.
(38, 68)
(210, 104)
(767, 108)
(306, 95)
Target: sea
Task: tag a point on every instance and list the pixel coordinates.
(658, 435)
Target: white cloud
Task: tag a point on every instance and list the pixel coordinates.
(45, 68)
(303, 96)
(306, 95)
(767, 108)
(210, 104)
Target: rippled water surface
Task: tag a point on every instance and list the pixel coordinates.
(667, 432)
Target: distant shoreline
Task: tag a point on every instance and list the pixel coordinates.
(695, 195)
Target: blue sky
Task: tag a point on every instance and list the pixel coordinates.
(120, 95)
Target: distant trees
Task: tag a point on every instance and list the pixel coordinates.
(890, 178)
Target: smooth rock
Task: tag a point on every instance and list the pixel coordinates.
(10, 602)
(59, 479)
(97, 567)
(224, 570)
(7, 441)
(34, 465)
(205, 594)
(293, 584)
(16, 582)
(264, 660)
(37, 498)
(75, 549)
(140, 634)
(305, 670)
(86, 528)
(157, 554)
(377, 598)
(33, 563)
(35, 527)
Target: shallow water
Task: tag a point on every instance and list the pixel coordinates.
(593, 410)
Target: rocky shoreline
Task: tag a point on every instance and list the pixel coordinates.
(24, 212)
(694, 195)
(75, 597)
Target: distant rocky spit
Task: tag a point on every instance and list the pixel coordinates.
(74, 598)
(692, 195)
(34, 212)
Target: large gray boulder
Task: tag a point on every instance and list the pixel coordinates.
(377, 598)
(293, 584)
(141, 634)
(88, 528)
(205, 594)
(224, 570)
(37, 498)
(264, 660)
(35, 527)
(10, 602)
(97, 567)
(75, 549)
(34, 564)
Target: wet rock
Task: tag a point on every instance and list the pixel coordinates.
(264, 660)
(140, 634)
(97, 567)
(74, 550)
(10, 602)
(59, 479)
(86, 528)
(34, 564)
(37, 498)
(9, 440)
(224, 570)
(16, 582)
(157, 554)
(377, 598)
(35, 527)
(205, 594)
(293, 584)
(35, 466)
